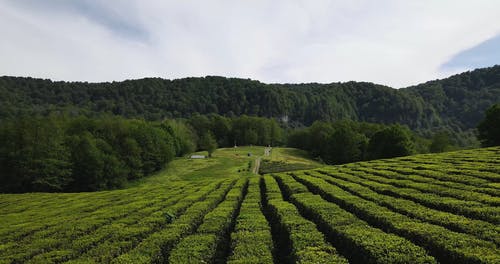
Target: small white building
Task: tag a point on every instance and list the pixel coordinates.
(197, 156)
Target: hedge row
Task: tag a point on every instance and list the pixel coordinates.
(430, 176)
(251, 242)
(447, 246)
(484, 166)
(453, 205)
(430, 187)
(156, 247)
(206, 245)
(62, 208)
(116, 236)
(480, 229)
(306, 243)
(67, 233)
(353, 237)
(432, 173)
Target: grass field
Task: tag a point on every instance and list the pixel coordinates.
(439, 208)
(287, 159)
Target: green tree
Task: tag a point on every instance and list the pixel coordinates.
(489, 128)
(319, 133)
(221, 128)
(114, 170)
(208, 143)
(440, 142)
(132, 157)
(345, 145)
(59, 153)
(251, 137)
(33, 156)
(88, 163)
(276, 133)
(50, 164)
(393, 141)
(184, 136)
(157, 146)
(200, 123)
(299, 138)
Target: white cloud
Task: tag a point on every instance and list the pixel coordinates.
(397, 43)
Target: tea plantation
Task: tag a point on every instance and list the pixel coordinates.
(432, 208)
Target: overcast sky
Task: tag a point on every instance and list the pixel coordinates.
(397, 43)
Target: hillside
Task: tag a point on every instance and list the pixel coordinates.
(417, 209)
(456, 103)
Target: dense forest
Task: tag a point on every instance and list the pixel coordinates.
(455, 104)
(82, 154)
(64, 153)
(61, 153)
(348, 141)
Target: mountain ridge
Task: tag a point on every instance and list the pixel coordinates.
(248, 79)
(456, 103)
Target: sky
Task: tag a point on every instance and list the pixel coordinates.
(392, 42)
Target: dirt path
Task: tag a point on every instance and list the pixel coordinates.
(256, 166)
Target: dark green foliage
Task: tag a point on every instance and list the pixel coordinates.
(319, 134)
(157, 146)
(90, 164)
(221, 128)
(393, 141)
(422, 144)
(346, 145)
(242, 130)
(200, 123)
(349, 141)
(456, 103)
(183, 135)
(440, 142)
(489, 128)
(459, 101)
(33, 155)
(81, 154)
(59, 153)
(249, 130)
(208, 143)
(132, 157)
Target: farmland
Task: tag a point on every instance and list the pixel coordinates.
(431, 208)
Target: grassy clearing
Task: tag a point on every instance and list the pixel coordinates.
(287, 159)
(225, 163)
(291, 155)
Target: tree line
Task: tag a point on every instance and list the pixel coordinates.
(83, 154)
(63, 153)
(454, 104)
(489, 127)
(60, 153)
(349, 141)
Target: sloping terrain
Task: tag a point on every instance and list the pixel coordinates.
(418, 209)
(456, 103)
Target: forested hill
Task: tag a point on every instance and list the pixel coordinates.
(457, 103)
(461, 100)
